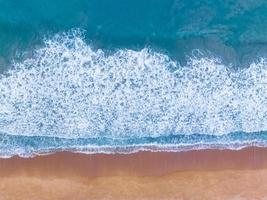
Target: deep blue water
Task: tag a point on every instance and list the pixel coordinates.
(123, 75)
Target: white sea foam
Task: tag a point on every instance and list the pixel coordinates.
(67, 89)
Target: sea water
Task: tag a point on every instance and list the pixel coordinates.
(124, 76)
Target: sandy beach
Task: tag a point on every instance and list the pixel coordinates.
(192, 175)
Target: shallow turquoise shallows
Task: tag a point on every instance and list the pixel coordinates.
(129, 75)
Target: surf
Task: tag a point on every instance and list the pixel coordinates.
(69, 90)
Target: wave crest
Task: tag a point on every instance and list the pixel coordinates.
(67, 89)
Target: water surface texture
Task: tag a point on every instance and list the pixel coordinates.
(123, 76)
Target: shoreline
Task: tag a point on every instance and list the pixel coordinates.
(93, 165)
(231, 174)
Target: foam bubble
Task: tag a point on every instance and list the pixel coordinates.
(67, 89)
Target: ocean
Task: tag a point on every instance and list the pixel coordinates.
(122, 76)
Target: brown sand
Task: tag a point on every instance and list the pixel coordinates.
(193, 175)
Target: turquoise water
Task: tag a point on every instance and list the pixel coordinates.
(232, 29)
(122, 76)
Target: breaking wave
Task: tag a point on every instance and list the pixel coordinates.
(69, 90)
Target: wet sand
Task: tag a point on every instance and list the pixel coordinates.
(192, 175)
